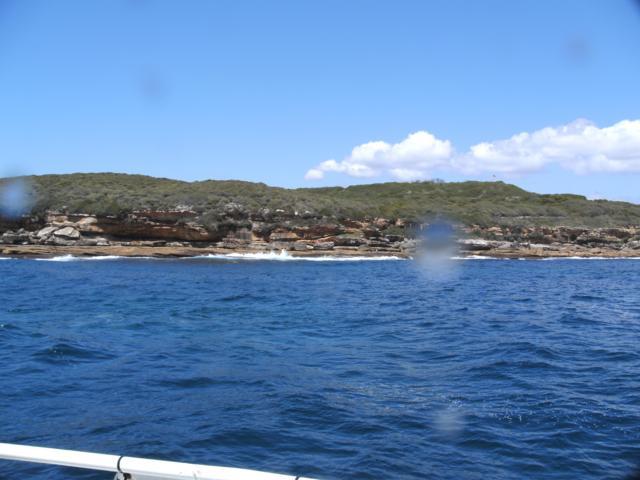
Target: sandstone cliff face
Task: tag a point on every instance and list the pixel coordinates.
(234, 227)
(141, 228)
(597, 237)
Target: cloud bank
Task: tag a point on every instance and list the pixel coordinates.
(419, 152)
(579, 146)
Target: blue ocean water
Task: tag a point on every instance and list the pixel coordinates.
(334, 370)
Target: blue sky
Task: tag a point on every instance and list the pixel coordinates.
(267, 91)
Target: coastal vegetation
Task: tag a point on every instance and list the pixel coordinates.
(471, 203)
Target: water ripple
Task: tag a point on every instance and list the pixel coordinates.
(359, 370)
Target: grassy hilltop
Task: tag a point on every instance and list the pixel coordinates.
(483, 203)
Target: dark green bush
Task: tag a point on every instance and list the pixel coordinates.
(483, 203)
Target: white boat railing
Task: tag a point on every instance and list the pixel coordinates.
(133, 468)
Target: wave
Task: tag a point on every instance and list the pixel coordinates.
(478, 257)
(483, 257)
(284, 256)
(590, 258)
(69, 353)
(72, 258)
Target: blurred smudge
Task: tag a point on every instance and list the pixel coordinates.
(437, 250)
(449, 422)
(578, 50)
(15, 198)
(153, 86)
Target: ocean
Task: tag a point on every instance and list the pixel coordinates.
(499, 369)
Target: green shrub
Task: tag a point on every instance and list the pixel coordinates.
(483, 203)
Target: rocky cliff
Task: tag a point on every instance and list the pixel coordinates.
(232, 228)
(487, 218)
(237, 228)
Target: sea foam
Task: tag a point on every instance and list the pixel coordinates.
(483, 257)
(590, 258)
(284, 256)
(72, 258)
(474, 257)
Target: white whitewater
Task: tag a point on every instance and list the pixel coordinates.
(71, 258)
(282, 256)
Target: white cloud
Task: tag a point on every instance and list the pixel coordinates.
(579, 146)
(314, 174)
(409, 159)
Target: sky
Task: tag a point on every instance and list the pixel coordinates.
(540, 93)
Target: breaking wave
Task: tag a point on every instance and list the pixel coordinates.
(72, 258)
(483, 257)
(590, 258)
(474, 257)
(284, 256)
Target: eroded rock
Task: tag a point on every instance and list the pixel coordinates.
(68, 233)
(281, 236)
(323, 245)
(46, 232)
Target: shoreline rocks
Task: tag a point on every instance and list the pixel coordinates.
(49, 251)
(233, 228)
(127, 249)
